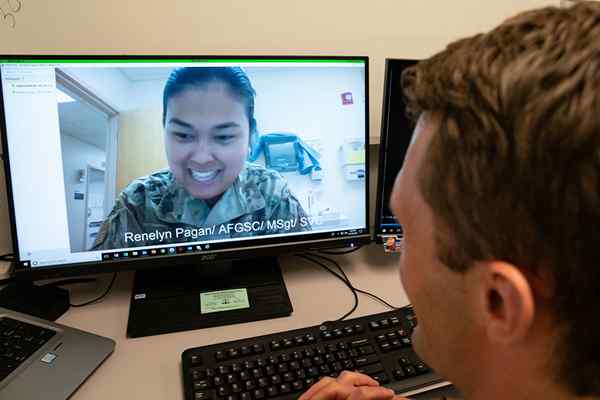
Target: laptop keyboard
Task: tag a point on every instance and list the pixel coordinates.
(18, 341)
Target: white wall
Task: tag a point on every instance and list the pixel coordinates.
(77, 155)
(106, 83)
(307, 102)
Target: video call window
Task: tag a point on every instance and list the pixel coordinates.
(159, 152)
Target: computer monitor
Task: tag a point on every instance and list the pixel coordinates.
(396, 133)
(130, 162)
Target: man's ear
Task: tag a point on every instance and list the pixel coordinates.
(506, 302)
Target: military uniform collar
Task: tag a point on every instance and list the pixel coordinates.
(242, 197)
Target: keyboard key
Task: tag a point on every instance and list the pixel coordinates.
(233, 353)
(263, 382)
(410, 370)
(236, 387)
(236, 367)
(421, 368)
(204, 395)
(257, 373)
(385, 347)
(285, 388)
(399, 374)
(359, 342)
(223, 369)
(275, 345)
(258, 348)
(370, 359)
(245, 396)
(370, 369)
(288, 377)
(272, 391)
(381, 377)
(202, 384)
(197, 374)
(244, 375)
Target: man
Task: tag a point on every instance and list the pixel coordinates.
(499, 199)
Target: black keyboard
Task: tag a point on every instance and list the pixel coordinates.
(18, 341)
(285, 364)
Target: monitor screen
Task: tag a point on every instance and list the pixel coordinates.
(396, 133)
(114, 159)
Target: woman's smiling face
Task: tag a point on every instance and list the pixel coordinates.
(207, 136)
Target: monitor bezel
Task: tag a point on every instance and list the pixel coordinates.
(383, 151)
(248, 248)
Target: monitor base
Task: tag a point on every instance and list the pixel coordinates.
(169, 299)
(46, 302)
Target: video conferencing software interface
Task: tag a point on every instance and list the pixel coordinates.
(119, 158)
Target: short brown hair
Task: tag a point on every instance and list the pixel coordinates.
(514, 172)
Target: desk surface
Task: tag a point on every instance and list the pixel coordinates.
(150, 368)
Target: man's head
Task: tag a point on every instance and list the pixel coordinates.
(505, 164)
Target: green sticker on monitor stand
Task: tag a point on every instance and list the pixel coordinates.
(223, 300)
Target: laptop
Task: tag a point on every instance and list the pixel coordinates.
(40, 359)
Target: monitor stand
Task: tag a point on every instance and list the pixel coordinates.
(206, 294)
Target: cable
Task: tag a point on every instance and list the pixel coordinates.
(334, 253)
(8, 257)
(70, 282)
(6, 281)
(393, 307)
(101, 297)
(354, 287)
(346, 282)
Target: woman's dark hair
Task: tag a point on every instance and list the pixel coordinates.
(185, 78)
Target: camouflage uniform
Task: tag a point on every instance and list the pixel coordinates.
(156, 203)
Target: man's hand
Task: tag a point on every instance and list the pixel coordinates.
(348, 386)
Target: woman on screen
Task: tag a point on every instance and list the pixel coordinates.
(210, 190)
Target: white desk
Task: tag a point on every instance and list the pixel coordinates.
(150, 368)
